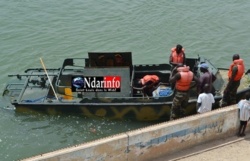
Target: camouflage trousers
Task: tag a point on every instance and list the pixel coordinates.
(229, 96)
(180, 101)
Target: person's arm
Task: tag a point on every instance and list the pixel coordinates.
(149, 84)
(198, 105)
(202, 82)
(174, 78)
(213, 101)
(240, 104)
(197, 81)
(213, 77)
(230, 81)
(212, 98)
(184, 58)
(170, 58)
(234, 72)
(248, 111)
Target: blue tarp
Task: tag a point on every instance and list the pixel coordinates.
(162, 91)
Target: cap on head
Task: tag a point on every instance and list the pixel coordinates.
(203, 65)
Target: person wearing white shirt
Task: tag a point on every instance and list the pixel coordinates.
(244, 106)
(205, 100)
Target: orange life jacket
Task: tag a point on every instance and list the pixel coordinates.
(177, 58)
(147, 78)
(183, 84)
(241, 69)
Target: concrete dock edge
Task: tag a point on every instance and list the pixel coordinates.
(154, 141)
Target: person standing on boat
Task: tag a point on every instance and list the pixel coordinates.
(149, 82)
(182, 80)
(244, 106)
(177, 56)
(205, 78)
(235, 73)
(205, 100)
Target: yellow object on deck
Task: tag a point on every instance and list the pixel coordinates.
(68, 94)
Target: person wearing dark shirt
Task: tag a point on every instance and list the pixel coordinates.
(205, 78)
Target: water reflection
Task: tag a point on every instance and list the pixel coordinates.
(44, 133)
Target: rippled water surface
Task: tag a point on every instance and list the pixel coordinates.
(54, 30)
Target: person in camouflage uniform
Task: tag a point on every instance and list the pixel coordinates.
(182, 80)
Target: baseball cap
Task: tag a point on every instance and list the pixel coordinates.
(203, 65)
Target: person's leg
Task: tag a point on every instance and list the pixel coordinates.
(232, 93)
(244, 128)
(174, 113)
(232, 98)
(175, 109)
(144, 92)
(240, 129)
(148, 90)
(225, 99)
(185, 97)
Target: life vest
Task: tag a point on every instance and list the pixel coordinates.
(183, 84)
(177, 58)
(241, 69)
(147, 78)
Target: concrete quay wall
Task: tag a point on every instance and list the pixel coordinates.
(153, 141)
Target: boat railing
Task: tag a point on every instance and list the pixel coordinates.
(41, 70)
(152, 67)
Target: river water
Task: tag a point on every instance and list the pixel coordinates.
(54, 30)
